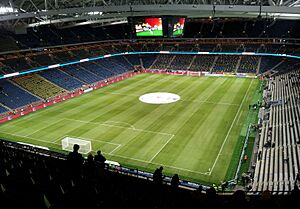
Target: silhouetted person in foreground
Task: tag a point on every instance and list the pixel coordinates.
(100, 159)
(90, 168)
(75, 162)
(157, 175)
(175, 181)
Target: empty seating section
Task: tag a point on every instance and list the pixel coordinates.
(229, 48)
(38, 86)
(134, 47)
(62, 79)
(80, 73)
(184, 47)
(133, 59)
(162, 62)
(97, 69)
(95, 52)
(202, 63)
(147, 60)
(279, 135)
(44, 59)
(17, 64)
(117, 65)
(180, 62)
(287, 65)
(81, 53)
(226, 64)
(268, 63)
(13, 96)
(248, 64)
(63, 57)
(205, 47)
(4, 69)
(251, 47)
(121, 61)
(3, 109)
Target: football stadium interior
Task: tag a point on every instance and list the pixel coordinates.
(191, 102)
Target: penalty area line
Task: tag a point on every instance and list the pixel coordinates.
(116, 126)
(29, 138)
(161, 148)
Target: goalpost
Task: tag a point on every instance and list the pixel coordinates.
(68, 143)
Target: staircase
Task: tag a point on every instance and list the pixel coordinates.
(238, 64)
(194, 57)
(213, 64)
(6, 107)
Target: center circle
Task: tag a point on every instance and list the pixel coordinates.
(159, 98)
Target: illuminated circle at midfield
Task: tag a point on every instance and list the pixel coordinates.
(159, 98)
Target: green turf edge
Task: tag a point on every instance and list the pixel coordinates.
(252, 118)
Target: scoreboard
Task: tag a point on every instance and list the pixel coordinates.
(157, 26)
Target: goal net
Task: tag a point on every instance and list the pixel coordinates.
(68, 143)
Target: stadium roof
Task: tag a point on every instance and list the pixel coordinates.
(65, 13)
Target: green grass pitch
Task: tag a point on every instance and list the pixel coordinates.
(194, 137)
(152, 33)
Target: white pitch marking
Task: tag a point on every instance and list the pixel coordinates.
(135, 129)
(111, 121)
(159, 164)
(28, 137)
(44, 127)
(230, 129)
(162, 147)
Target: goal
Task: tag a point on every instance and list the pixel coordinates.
(68, 143)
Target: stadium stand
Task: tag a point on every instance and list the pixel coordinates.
(38, 86)
(39, 180)
(226, 64)
(181, 62)
(203, 63)
(81, 74)
(2, 109)
(62, 79)
(249, 64)
(148, 60)
(279, 138)
(13, 96)
(162, 62)
(269, 63)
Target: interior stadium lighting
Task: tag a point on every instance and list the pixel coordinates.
(95, 13)
(5, 10)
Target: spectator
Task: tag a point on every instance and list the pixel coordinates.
(298, 177)
(175, 181)
(99, 158)
(90, 168)
(75, 162)
(239, 200)
(245, 158)
(157, 175)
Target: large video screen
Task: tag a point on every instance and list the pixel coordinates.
(148, 26)
(178, 27)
